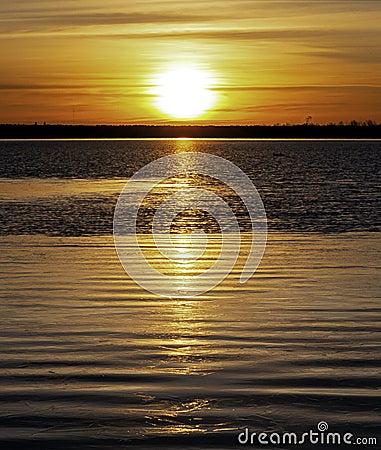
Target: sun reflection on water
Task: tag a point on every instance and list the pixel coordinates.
(186, 352)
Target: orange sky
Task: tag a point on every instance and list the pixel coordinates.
(270, 61)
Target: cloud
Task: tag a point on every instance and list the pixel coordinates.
(132, 89)
(86, 85)
(299, 88)
(216, 33)
(370, 55)
(302, 35)
(53, 22)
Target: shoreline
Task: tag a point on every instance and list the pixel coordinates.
(318, 132)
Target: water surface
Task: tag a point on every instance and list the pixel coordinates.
(91, 360)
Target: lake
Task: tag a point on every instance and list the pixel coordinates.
(89, 359)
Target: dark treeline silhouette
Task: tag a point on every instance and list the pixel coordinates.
(353, 130)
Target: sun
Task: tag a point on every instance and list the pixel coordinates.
(184, 93)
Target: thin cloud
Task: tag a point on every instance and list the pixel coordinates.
(60, 22)
(297, 88)
(275, 34)
(95, 84)
(216, 34)
(371, 55)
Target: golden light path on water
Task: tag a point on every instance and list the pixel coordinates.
(87, 352)
(102, 336)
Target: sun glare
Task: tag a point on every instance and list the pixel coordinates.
(184, 93)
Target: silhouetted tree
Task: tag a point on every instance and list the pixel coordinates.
(308, 120)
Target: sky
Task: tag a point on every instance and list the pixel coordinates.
(267, 62)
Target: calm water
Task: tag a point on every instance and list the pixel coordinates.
(91, 360)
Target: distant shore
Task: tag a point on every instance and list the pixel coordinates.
(304, 131)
